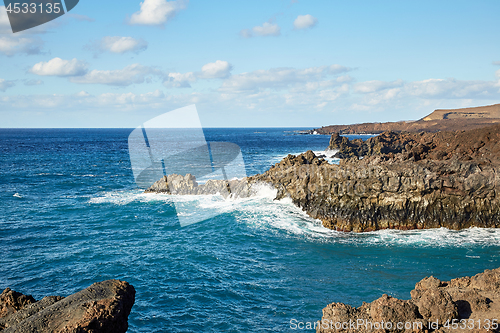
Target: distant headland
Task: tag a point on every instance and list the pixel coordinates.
(439, 120)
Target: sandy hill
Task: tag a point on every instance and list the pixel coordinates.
(479, 112)
(439, 120)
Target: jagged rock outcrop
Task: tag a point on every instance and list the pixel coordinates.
(403, 181)
(187, 185)
(11, 301)
(385, 143)
(478, 144)
(101, 308)
(468, 304)
(380, 192)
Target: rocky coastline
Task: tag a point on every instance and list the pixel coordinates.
(439, 120)
(466, 304)
(392, 181)
(103, 307)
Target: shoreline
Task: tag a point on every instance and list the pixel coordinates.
(392, 181)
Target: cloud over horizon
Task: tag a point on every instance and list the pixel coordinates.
(60, 67)
(120, 45)
(219, 69)
(279, 78)
(132, 74)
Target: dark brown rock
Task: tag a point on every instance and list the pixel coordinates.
(404, 181)
(101, 308)
(393, 181)
(431, 302)
(11, 301)
(482, 145)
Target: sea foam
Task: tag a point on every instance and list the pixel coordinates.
(264, 212)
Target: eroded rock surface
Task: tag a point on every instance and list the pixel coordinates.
(482, 145)
(472, 303)
(393, 181)
(101, 308)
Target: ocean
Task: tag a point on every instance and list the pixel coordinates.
(72, 215)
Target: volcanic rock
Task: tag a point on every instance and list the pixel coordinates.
(101, 308)
(434, 307)
(392, 181)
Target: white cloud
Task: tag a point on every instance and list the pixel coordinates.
(60, 67)
(279, 78)
(374, 86)
(345, 79)
(129, 99)
(122, 77)
(33, 82)
(267, 29)
(82, 99)
(12, 45)
(156, 12)
(121, 45)
(338, 69)
(496, 63)
(426, 94)
(218, 69)
(453, 89)
(4, 84)
(305, 22)
(497, 73)
(179, 80)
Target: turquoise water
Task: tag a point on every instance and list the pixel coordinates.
(72, 215)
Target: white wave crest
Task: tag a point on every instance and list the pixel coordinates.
(263, 212)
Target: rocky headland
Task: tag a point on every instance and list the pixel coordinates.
(467, 304)
(392, 181)
(103, 307)
(439, 120)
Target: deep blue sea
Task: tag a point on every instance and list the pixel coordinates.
(71, 215)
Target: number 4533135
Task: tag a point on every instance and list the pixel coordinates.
(32, 8)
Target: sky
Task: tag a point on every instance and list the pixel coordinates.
(250, 63)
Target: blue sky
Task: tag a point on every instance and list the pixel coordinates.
(250, 63)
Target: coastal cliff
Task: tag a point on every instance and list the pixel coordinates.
(101, 308)
(392, 181)
(467, 304)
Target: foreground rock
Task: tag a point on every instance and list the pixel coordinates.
(102, 307)
(439, 120)
(468, 304)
